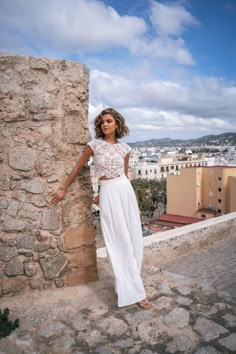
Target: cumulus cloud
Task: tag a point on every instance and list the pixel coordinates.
(210, 97)
(89, 26)
(165, 48)
(170, 19)
(77, 25)
(202, 106)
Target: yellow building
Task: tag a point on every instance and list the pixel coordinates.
(202, 192)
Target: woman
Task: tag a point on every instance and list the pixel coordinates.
(119, 213)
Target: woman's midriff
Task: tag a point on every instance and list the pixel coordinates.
(103, 178)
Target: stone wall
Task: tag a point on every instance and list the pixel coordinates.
(163, 246)
(43, 131)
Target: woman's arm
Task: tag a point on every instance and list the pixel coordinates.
(127, 164)
(59, 194)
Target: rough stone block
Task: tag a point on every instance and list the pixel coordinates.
(12, 224)
(37, 200)
(79, 236)
(39, 64)
(22, 158)
(53, 266)
(36, 186)
(7, 253)
(50, 220)
(25, 242)
(5, 183)
(13, 208)
(12, 108)
(84, 257)
(81, 276)
(13, 284)
(30, 269)
(14, 267)
(28, 211)
(3, 203)
(41, 247)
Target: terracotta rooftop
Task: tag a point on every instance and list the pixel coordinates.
(178, 220)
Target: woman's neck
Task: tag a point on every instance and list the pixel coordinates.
(110, 139)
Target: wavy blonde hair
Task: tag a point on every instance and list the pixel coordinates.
(122, 129)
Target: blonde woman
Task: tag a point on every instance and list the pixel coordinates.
(119, 213)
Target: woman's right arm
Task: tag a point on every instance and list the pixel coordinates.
(60, 193)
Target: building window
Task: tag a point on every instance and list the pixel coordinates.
(219, 178)
(155, 171)
(219, 200)
(203, 216)
(219, 189)
(219, 210)
(167, 168)
(177, 167)
(139, 172)
(162, 169)
(146, 172)
(172, 167)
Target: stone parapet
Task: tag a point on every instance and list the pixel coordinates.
(43, 131)
(161, 246)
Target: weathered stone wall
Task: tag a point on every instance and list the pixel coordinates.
(163, 246)
(43, 130)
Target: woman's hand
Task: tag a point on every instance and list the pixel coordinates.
(57, 196)
(96, 200)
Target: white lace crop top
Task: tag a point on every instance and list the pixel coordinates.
(108, 158)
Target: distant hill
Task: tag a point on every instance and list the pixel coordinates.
(225, 139)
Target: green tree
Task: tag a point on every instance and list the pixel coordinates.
(149, 193)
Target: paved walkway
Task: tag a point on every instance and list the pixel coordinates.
(215, 264)
(188, 314)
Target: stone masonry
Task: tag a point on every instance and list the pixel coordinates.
(43, 131)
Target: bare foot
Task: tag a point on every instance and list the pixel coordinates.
(144, 304)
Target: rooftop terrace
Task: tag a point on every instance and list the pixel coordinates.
(189, 274)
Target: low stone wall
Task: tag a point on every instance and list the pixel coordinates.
(43, 130)
(163, 246)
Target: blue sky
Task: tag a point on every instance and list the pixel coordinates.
(167, 66)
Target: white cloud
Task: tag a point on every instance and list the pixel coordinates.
(204, 105)
(87, 26)
(77, 25)
(165, 48)
(210, 97)
(170, 19)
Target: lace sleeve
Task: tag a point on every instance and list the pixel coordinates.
(92, 144)
(125, 149)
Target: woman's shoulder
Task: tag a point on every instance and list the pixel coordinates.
(95, 143)
(125, 148)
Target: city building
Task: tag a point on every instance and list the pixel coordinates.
(162, 167)
(202, 192)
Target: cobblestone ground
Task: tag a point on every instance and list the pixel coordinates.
(215, 264)
(188, 314)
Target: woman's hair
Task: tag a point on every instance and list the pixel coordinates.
(122, 129)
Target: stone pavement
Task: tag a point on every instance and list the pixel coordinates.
(188, 315)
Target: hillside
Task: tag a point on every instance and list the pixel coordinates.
(225, 139)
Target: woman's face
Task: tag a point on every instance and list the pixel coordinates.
(108, 125)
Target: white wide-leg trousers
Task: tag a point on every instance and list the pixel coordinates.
(122, 232)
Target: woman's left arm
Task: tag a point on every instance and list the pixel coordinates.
(127, 164)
